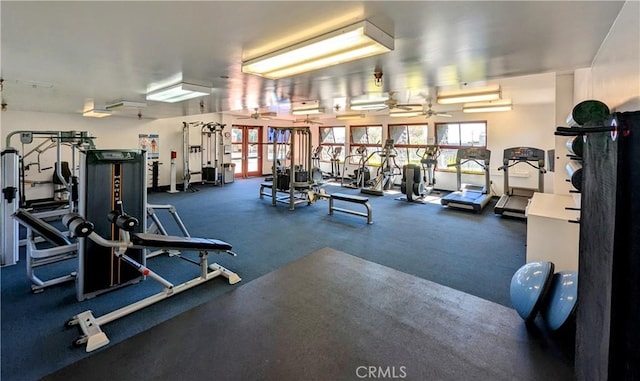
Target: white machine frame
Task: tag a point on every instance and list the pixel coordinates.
(93, 336)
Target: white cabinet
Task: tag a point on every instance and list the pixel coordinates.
(550, 235)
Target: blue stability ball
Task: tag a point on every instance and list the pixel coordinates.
(529, 287)
(561, 302)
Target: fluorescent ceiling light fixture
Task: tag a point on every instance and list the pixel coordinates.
(399, 114)
(349, 116)
(307, 111)
(96, 113)
(354, 42)
(178, 92)
(364, 106)
(471, 95)
(504, 105)
(126, 104)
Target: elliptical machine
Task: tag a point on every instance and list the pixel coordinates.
(335, 162)
(386, 172)
(419, 181)
(361, 175)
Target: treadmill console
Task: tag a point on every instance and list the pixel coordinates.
(475, 153)
(523, 154)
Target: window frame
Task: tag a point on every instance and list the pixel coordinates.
(410, 148)
(469, 167)
(270, 145)
(324, 155)
(354, 159)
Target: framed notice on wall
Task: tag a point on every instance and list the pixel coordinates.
(151, 144)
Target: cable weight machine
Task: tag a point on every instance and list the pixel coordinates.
(209, 153)
(292, 184)
(212, 153)
(64, 180)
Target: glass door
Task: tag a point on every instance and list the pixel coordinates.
(245, 150)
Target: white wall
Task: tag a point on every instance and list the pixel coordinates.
(613, 79)
(112, 132)
(564, 105)
(615, 72)
(526, 125)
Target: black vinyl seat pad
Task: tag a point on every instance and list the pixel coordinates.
(40, 227)
(178, 243)
(349, 197)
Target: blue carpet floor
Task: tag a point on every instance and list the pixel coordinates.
(473, 253)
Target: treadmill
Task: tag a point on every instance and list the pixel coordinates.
(514, 201)
(470, 196)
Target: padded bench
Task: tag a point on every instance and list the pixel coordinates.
(263, 186)
(353, 199)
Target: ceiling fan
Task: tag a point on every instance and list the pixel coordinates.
(259, 115)
(392, 103)
(307, 120)
(429, 112)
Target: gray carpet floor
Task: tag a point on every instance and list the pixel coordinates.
(332, 316)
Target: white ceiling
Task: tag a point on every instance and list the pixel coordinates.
(55, 55)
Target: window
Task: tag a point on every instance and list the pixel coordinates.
(410, 140)
(368, 136)
(282, 148)
(452, 136)
(330, 138)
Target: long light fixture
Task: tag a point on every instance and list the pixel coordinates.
(96, 113)
(503, 105)
(308, 111)
(484, 94)
(125, 104)
(367, 105)
(354, 42)
(405, 114)
(178, 92)
(349, 116)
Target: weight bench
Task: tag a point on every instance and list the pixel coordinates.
(36, 256)
(92, 334)
(265, 185)
(353, 199)
(90, 326)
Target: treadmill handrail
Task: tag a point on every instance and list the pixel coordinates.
(466, 161)
(540, 168)
(539, 159)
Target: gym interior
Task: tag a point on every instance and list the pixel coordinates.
(420, 212)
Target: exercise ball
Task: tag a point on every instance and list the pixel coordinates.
(561, 301)
(529, 287)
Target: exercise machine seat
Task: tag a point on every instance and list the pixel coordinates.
(178, 243)
(66, 173)
(349, 198)
(40, 227)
